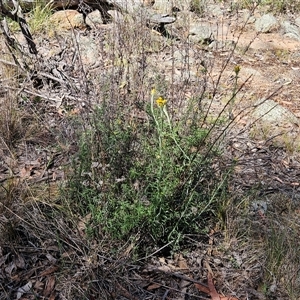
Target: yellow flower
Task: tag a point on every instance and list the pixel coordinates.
(153, 91)
(237, 69)
(161, 102)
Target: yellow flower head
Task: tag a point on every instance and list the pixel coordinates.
(237, 69)
(161, 102)
(153, 91)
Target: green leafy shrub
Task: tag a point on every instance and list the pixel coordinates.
(154, 178)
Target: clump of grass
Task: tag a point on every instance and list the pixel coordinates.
(11, 127)
(281, 246)
(39, 17)
(270, 237)
(16, 125)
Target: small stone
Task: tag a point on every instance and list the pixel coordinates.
(94, 19)
(148, 2)
(266, 23)
(248, 17)
(217, 261)
(259, 205)
(290, 30)
(223, 45)
(214, 10)
(185, 18)
(297, 21)
(201, 34)
(89, 51)
(161, 19)
(268, 111)
(163, 6)
(67, 19)
(117, 17)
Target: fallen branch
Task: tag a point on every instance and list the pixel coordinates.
(17, 16)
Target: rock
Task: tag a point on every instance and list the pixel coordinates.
(297, 21)
(129, 6)
(167, 6)
(248, 17)
(247, 72)
(67, 19)
(163, 6)
(148, 2)
(94, 19)
(226, 45)
(136, 9)
(214, 10)
(275, 123)
(161, 19)
(182, 57)
(266, 23)
(259, 206)
(273, 113)
(290, 30)
(185, 18)
(201, 34)
(116, 16)
(89, 51)
(181, 75)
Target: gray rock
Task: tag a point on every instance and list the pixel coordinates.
(161, 18)
(266, 23)
(297, 21)
(259, 206)
(290, 30)
(116, 16)
(166, 6)
(136, 8)
(163, 6)
(250, 72)
(178, 55)
(248, 17)
(183, 57)
(180, 76)
(214, 10)
(271, 112)
(201, 34)
(129, 6)
(222, 45)
(185, 18)
(94, 19)
(277, 124)
(89, 51)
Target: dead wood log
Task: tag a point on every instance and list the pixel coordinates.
(17, 15)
